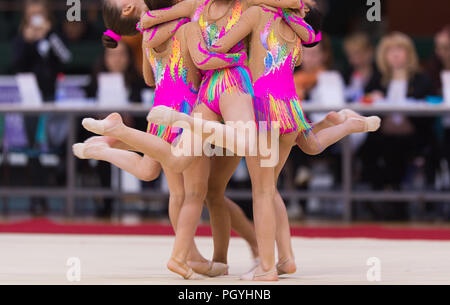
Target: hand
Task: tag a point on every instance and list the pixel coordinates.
(146, 22)
(302, 13)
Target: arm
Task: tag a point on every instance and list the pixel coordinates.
(242, 29)
(147, 69)
(183, 9)
(159, 34)
(205, 59)
(303, 30)
(296, 4)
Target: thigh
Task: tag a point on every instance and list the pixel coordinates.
(222, 169)
(286, 143)
(237, 106)
(175, 182)
(206, 113)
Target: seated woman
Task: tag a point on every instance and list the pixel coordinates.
(387, 155)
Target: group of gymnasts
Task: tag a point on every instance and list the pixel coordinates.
(214, 63)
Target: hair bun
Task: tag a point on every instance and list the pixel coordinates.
(314, 18)
(108, 42)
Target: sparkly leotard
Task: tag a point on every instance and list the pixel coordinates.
(217, 82)
(172, 86)
(276, 99)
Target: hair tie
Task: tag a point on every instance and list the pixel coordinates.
(113, 35)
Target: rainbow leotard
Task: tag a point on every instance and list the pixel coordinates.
(276, 99)
(234, 78)
(172, 89)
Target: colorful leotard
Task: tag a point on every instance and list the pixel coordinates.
(276, 99)
(172, 88)
(234, 78)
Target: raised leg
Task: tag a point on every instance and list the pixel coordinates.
(315, 143)
(148, 144)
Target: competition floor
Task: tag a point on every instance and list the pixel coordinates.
(114, 259)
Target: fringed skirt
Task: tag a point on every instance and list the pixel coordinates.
(224, 81)
(169, 133)
(286, 114)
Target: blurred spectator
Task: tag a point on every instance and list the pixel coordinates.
(389, 153)
(315, 60)
(362, 77)
(119, 60)
(38, 49)
(135, 44)
(439, 63)
(75, 32)
(441, 60)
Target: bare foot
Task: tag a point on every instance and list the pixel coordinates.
(287, 267)
(258, 274)
(183, 269)
(106, 127)
(209, 268)
(89, 151)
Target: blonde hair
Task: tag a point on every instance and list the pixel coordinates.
(396, 39)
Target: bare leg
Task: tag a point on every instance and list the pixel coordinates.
(196, 187)
(176, 187)
(146, 143)
(113, 143)
(286, 259)
(239, 107)
(143, 168)
(222, 168)
(314, 144)
(332, 119)
(213, 132)
(243, 226)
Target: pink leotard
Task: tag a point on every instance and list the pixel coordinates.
(172, 86)
(276, 99)
(234, 78)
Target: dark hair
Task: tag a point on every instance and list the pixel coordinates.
(112, 16)
(131, 75)
(125, 26)
(314, 18)
(158, 4)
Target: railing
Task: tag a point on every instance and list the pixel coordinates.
(347, 194)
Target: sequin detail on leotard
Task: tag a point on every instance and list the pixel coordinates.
(172, 89)
(276, 99)
(222, 81)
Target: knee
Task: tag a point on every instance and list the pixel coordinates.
(148, 176)
(264, 191)
(196, 192)
(176, 198)
(214, 193)
(313, 148)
